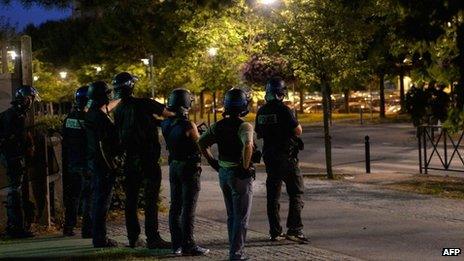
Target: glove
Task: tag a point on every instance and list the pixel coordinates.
(247, 173)
(214, 163)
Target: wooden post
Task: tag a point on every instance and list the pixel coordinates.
(26, 60)
(45, 215)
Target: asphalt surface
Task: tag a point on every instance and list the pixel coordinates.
(357, 220)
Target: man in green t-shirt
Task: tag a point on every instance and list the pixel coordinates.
(234, 138)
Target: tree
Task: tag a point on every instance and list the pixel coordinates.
(322, 38)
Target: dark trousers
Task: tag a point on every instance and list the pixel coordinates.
(15, 171)
(238, 195)
(287, 171)
(184, 179)
(77, 190)
(102, 184)
(138, 172)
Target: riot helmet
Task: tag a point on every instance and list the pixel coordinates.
(124, 84)
(99, 94)
(275, 89)
(25, 96)
(180, 101)
(81, 97)
(236, 102)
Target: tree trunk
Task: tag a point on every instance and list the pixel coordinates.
(329, 97)
(327, 138)
(51, 108)
(346, 94)
(301, 99)
(382, 94)
(202, 104)
(402, 89)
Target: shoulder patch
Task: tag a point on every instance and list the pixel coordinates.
(74, 124)
(267, 119)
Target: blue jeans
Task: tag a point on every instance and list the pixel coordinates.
(238, 195)
(102, 183)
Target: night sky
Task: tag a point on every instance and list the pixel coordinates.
(20, 16)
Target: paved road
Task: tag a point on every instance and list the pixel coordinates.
(358, 220)
(393, 147)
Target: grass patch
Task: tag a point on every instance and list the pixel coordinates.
(446, 187)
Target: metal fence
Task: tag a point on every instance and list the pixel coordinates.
(439, 149)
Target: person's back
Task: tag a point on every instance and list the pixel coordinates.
(180, 146)
(138, 132)
(74, 139)
(137, 126)
(230, 146)
(76, 177)
(278, 127)
(275, 124)
(234, 138)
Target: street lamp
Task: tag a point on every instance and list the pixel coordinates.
(63, 74)
(36, 78)
(149, 62)
(145, 61)
(267, 2)
(13, 54)
(98, 68)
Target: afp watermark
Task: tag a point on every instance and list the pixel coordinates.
(451, 252)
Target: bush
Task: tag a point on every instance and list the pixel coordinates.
(49, 123)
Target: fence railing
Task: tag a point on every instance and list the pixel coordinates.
(439, 149)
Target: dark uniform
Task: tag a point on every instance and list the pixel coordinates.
(15, 145)
(102, 149)
(275, 124)
(13, 149)
(139, 136)
(184, 178)
(76, 177)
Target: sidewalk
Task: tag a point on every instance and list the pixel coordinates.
(209, 234)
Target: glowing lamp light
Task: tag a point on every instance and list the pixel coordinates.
(98, 69)
(63, 74)
(267, 2)
(13, 54)
(145, 61)
(36, 78)
(212, 51)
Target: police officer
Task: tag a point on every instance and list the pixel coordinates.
(76, 177)
(138, 132)
(102, 150)
(15, 146)
(277, 126)
(234, 139)
(181, 137)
